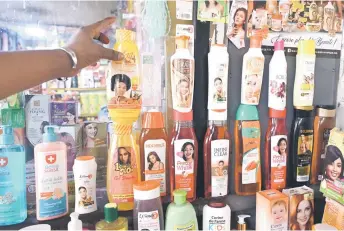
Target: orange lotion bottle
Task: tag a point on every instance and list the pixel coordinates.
(153, 149)
(247, 151)
(183, 155)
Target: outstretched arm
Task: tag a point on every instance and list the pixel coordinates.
(24, 69)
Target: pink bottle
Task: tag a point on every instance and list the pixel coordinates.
(51, 177)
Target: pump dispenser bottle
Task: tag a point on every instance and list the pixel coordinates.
(75, 224)
(241, 222)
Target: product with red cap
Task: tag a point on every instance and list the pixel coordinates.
(153, 149)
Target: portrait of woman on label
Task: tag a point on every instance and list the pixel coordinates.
(333, 164)
(70, 117)
(84, 199)
(282, 146)
(188, 150)
(183, 93)
(154, 162)
(220, 94)
(120, 85)
(301, 213)
(304, 147)
(237, 32)
(220, 170)
(211, 9)
(124, 156)
(252, 90)
(90, 131)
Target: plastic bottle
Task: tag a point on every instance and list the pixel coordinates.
(41, 227)
(85, 175)
(183, 155)
(148, 213)
(180, 214)
(328, 16)
(51, 177)
(216, 214)
(301, 147)
(13, 207)
(241, 222)
(182, 76)
(112, 221)
(217, 151)
(324, 122)
(252, 74)
(247, 151)
(276, 151)
(304, 77)
(153, 149)
(75, 224)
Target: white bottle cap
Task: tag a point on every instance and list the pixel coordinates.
(241, 220)
(75, 224)
(215, 115)
(147, 190)
(42, 227)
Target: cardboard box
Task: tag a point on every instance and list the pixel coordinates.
(63, 113)
(334, 214)
(272, 210)
(301, 208)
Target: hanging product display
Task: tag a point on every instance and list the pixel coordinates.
(183, 155)
(13, 207)
(51, 177)
(148, 213)
(182, 76)
(112, 220)
(153, 149)
(216, 214)
(252, 73)
(247, 151)
(301, 146)
(304, 76)
(324, 122)
(85, 173)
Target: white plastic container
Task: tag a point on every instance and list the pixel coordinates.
(85, 171)
(75, 224)
(182, 76)
(304, 76)
(278, 78)
(216, 214)
(252, 73)
(218, 77)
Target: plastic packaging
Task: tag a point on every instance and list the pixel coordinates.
(41, 227)
(85, 174)
(216, 214)
(241, 222)
(75, 224)
(112, 221)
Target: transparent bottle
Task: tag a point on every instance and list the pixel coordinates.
(112, 221)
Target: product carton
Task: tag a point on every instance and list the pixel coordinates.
(272, 210)
(301, 208)
(334, 214)
(332, 184)
(63, 113)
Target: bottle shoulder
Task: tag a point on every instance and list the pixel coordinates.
(12, 148)
(52, 146)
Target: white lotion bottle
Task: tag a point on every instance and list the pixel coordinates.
(304, 76)
(75, 224)
(85, 172)
(216, 214)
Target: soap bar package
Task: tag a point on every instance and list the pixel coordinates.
(63, 113)
(334, 214)
(301, 208)
(332, 185)
(271, 210)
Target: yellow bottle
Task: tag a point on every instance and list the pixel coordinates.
(112, 221)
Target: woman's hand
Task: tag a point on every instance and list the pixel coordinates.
(87, 50)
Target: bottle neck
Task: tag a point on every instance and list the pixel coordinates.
(218, 123)
(183, 124)
(122, 129)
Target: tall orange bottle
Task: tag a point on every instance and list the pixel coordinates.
(153, 149)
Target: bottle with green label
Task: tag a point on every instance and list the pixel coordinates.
(180, 214)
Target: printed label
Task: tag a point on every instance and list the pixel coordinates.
(184, 9)
(219, 167)
(307, 84)
(182, 83)
(187, 30)
(155, 157)
(326, 137)
(217, 97)
(276, 24)
(304, 155)
(51, 176)
(278, 173)
(253, 76)
(123, 175)
(187, 227)
(149, 221)
(235, 33)
(216, 223)
(85, 188)
(277, 88)
(279, 215)
(184, 165)
(251, 145)
(12, 185)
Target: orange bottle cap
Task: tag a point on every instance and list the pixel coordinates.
(147, 185)
(273, 113)
(147, 190)
(152, 119)
(84, 158)
(255, 42)
(182, 116)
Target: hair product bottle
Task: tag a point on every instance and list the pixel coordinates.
(247, 151)
(324, 122)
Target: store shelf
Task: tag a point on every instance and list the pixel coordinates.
(78, 89)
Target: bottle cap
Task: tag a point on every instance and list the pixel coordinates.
(241, 222)
(255, 42)
(306, 47)
(219, 115)
(279, 45)
(111, 212)
(305, 108)
(182, 116)
(273, 113)
(247, 112)
(326, 110)
(75, 224)
(182, 42)
(152, 119)
(49, 134)
(6, 135)
(179, 196)
(147, 190)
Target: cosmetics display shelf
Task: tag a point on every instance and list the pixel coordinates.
(79, 89)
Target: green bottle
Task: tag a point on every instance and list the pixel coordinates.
(180, 213)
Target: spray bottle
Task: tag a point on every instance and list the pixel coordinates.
(241, 222)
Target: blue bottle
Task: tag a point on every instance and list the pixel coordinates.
(13, 209)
